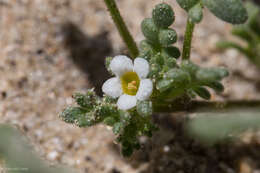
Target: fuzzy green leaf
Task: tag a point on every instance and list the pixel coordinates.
(167, 37)
(146, 49)
(217, 86)
(211, 74)
(150, 30)
(187, 4)
(85, 100)
(163, 15)
(189, 67)
(211, 128)
(117, 127)
(71, 114)
(171, 52)
(231, 11)
(164, 84)
(110, 121)
(144, 108)
(202, 92)
(196, 13)
(179, 77)
(85, 120)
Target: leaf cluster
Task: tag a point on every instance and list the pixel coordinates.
(91, 110)
(248, 33)
(174, 80)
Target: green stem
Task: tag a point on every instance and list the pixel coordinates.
(187, 40)
(206, 106)
(121, 27)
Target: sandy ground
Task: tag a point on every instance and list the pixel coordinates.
(50, 49)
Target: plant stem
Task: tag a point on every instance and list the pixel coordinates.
(187, 40)
(205, 106)
(121, 27)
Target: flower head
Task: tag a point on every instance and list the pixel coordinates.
(130, 83)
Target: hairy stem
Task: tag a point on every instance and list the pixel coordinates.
(187, 40)
(205, 106)
(121, 27)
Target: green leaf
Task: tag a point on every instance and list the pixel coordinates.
(71, 114)
(146, 50)
(189, 67)
(187, 4)
(171, 62)
(171, 51)
(231, 11)
(18, 156)
(253, 13)
(211, 128)
(144, 108)
(85, 120)
(150, 30)
(164, 84)
(211, 74)
(110, 121)
(154, 70)
(163, 15)
(196, 13)
(167, 37)
(242, 32)
(179, 77)
(202, 92)
(117, 128)
(217, 86)
(85, 100)
(125, 117)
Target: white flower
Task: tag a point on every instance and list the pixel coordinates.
(130, 83)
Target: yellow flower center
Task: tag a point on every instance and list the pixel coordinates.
(130, 83)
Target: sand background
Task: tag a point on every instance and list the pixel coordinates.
(50, 49)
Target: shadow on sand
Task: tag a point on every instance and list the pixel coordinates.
(171, 150)
(88, 53)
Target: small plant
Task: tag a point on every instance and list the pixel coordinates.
(249, 33)
(155, 79)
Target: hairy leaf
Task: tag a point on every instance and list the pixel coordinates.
(231, 11)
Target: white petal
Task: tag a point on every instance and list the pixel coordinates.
(112, 87)
(121, 64)
(126, 102)
(141, 67)
(145, 89)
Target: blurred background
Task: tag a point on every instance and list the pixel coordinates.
(50, 49)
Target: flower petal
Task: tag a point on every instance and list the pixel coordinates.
(145, 89)
(121, 64)
(112, 87)
(126, 102)
(141, 67)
